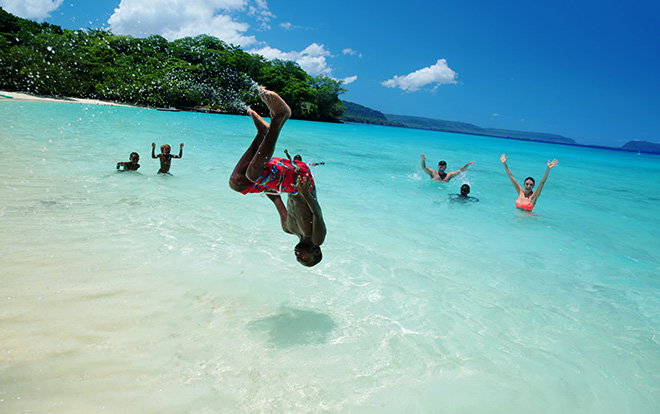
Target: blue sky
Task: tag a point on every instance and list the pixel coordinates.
(588, 70)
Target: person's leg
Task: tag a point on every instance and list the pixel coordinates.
(279, 113)
(238, 181)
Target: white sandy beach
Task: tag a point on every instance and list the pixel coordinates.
(20, 96)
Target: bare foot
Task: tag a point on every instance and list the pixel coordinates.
(277, 106)
(262, 126)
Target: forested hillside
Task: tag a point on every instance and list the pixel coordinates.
(203, 71)
(358, 113)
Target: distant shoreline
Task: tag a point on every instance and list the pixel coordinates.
(22, 96)
(603, 147)
(356, 113)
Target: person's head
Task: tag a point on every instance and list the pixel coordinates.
(308, 254)
(465, 190)
(165, 148)
(297, 157)
(135, 157)
(442, 165)
(529, 184)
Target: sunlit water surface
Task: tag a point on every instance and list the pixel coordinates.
(139, 293)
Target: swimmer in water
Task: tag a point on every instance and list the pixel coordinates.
(527, 197)
(259, 172)
(131, 165)
(297, 157)
(463, 196)
(165, 156)
(441, 175)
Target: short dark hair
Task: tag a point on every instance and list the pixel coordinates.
(465, 189)
(443, 163)
(317, 255)
(314, 251)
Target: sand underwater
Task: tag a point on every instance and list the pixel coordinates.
(139, 293)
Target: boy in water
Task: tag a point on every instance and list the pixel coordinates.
(259, 172)
(131, 165)
(297, 157)
(165, 156)
(463, 196)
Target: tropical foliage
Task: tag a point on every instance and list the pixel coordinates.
(199, 72)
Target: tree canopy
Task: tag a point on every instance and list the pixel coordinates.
(193, 72)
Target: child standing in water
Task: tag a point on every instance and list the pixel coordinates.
(131, 165)
(299, 158)
(165, 156)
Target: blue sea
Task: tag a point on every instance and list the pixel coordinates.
(133, 292)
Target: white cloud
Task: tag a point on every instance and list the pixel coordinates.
(31, 9)
(261, 12)
(349, 51)
(312, 59)
(174, 19)
(348, 80)
(438, 74)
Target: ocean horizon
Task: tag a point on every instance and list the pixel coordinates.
(136, 292)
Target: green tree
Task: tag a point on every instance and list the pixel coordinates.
(200, 71)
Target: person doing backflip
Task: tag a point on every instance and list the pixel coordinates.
(257, 171)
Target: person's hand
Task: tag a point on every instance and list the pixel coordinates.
(304, 185)
(470, 163)
(153, 145)
(181, 145)
(503, 158)
(553, 163)
(423, 157)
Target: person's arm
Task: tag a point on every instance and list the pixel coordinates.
(180, 152)
(517, 186)
(318, 225)
(286, 152)
(455, 173)
(537, 193)
(281, 209)
(153, 150)
(425, 168)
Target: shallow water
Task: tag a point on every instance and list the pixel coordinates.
(139, 293)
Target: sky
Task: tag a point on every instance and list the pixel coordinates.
(585, 69)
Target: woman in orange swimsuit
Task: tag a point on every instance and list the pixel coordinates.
(527, 197)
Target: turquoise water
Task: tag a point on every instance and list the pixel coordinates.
(139, 293)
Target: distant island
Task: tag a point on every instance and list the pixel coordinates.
(361, 114)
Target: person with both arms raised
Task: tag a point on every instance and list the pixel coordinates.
(441, 175)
